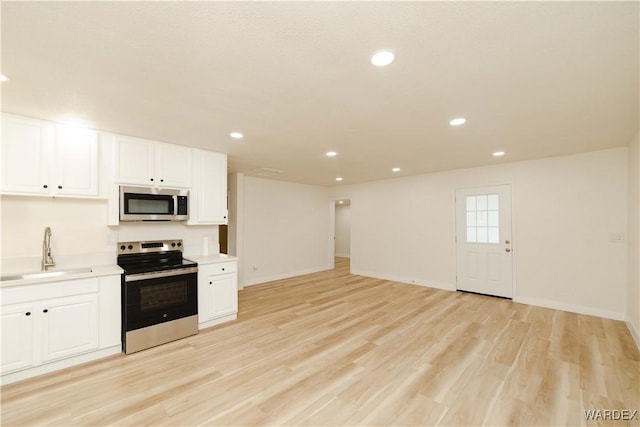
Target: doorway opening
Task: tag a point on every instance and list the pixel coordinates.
(342, 232)
(223, 237)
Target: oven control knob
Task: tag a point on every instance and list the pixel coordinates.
(123, 247)
(130, 247)
(164, 315)
(173, 244)
(179, 244)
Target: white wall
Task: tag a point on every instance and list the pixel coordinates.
(343, 231)
(564, 211)
(633, 259)
(285, 229)
(80, 234)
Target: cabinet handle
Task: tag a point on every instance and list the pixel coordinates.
(152, 179)
(222, 268)
(28, 313)
(211, 283)
(46, 310)
(45, 186)
(59, 187)
(162, 180)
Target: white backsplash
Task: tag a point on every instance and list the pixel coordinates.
(80, 236)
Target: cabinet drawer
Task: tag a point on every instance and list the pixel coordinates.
(41, 291)
(221, 268)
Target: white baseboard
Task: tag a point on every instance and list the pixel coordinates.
(260, 280)
(523, 300)
(634, 332)
(409, 280)
(347, 255)
(218, 321)
(569, 307)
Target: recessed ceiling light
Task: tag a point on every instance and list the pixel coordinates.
(340, 202)
(339, 179)
(383, 57)
(457, 122)
(395, 170)
(331, 154)
(3, 78)
(498, 154)
(236, 135)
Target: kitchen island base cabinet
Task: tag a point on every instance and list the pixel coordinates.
(217, 293)
(46, 327)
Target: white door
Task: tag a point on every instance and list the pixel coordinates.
(483, 240)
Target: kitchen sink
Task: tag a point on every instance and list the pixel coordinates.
(46, 274)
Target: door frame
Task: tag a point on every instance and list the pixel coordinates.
(331, 250)
(514, 237)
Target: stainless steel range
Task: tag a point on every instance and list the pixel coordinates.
(159, 294)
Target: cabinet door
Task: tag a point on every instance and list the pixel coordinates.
(17, 337)
(173, 166)
(224, 294)
(69, 326)
(135, 161)
(26, 146)
(77, 162)
(211, 198)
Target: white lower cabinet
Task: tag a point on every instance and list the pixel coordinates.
(55, 325)
(69, 326)
(217, 293)
(17, 337)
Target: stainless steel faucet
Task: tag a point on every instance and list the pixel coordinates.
(47, 260)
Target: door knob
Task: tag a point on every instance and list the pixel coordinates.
(507, 241)
(508, 250)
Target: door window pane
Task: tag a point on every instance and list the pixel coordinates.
(471, 203)
(483, 218)
(494, 219)
(481, 203)
(492, 202)
(494, 235)
(471, 219)
(482, 234)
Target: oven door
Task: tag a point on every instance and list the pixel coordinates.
(153, 298)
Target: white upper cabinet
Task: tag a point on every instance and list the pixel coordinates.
(77, 162)
(208, 201)
(40, 158)
(135, 160)
(151, 163)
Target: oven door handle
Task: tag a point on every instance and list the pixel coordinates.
(159, 274)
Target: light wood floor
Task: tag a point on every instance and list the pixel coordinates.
(336, 349)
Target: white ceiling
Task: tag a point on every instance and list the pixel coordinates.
(534, 79)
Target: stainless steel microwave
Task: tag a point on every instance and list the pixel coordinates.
(153, 204)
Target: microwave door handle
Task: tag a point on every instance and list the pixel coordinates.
(175, 205)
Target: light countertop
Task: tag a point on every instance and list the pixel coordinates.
(96, 271)
(212, 259)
